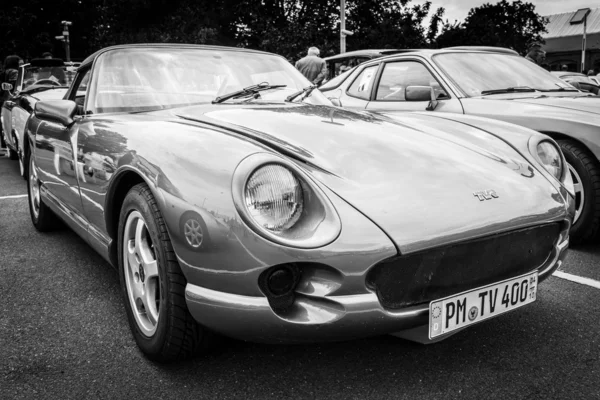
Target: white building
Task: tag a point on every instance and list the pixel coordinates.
(564, 41)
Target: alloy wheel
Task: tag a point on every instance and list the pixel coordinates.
(141, 274)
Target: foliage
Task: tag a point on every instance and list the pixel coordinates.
(513, 25)
(286, 27)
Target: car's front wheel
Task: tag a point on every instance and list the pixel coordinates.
(585, 172)
(153, 284)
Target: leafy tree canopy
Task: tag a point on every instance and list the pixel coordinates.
(513, 25)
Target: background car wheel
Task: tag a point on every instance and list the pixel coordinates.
(586, 177)
(12, 154)
(42, 217)
(152, 283)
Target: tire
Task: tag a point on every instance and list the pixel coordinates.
(12, 154)
(585, 167)
(19, 158)
(152, 283)
(42, 217)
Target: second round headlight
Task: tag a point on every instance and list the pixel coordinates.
(550, 158)
(274, 197)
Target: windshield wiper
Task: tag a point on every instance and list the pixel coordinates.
(508, 90)
(247, 91)
(306, 90)
(560, 89)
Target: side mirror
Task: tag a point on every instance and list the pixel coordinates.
(7, 86)
(422, 93)
(61, 111)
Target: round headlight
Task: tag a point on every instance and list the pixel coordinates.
(274, 197)
(550, 157)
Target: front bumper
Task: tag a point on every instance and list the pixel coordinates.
(318, 318)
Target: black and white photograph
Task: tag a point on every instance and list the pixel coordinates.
(295, 199)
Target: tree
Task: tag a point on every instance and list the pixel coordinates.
(513, 25)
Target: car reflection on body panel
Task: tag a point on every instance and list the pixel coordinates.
(250, 207)
(493, 83)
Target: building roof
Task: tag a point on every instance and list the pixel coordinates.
(559, 26)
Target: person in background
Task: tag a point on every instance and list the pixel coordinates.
(56, 74)
(313, 67)
(591, 72)
(564, 67)
(535, 54)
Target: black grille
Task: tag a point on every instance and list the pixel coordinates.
(418, 278)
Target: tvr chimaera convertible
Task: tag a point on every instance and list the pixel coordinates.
(233, 198)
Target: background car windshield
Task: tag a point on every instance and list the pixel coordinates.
(152, 79)
(577, 78)
(477, 72)
(45, 76)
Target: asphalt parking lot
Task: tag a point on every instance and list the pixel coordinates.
(64, 334)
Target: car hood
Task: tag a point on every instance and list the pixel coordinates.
(414, 177)
(589, 104)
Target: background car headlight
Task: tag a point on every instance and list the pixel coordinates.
(274, 197)
(550, 158)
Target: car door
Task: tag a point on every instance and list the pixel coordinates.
(55, 151)
(97, 149)
(397, 79)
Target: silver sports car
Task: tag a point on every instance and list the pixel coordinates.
(233, 198)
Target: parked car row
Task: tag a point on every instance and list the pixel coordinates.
(234, 198)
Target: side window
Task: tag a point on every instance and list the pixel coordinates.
(80, 90)
(361, 87)
(397, 76)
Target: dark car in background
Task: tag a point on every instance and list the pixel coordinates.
(41, 79)
(494, 83)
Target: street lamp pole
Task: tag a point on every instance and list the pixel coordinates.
(66, 25)
(342, 26)
(583, 50)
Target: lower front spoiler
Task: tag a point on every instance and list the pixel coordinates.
(316, 319)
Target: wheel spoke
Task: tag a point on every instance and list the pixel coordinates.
(139, 229)
(578, 187)
(131, 258)
(149, 300)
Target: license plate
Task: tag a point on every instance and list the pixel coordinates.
(461, 310)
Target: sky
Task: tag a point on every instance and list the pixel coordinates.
(458, 9)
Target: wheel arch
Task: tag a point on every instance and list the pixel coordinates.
(115, 196)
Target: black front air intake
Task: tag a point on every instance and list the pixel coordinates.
(421, 277)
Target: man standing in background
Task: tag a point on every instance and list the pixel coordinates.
(313, 67)
(535, 54)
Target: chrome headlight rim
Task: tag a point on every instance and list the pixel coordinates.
(565, 179)
(318, 226)
(533, 150)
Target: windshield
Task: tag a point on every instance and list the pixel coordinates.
(478, 72)
(577, 78)
(337, 81)
(46, 76)
(152, 79)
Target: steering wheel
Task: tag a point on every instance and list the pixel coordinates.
(46, 82)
